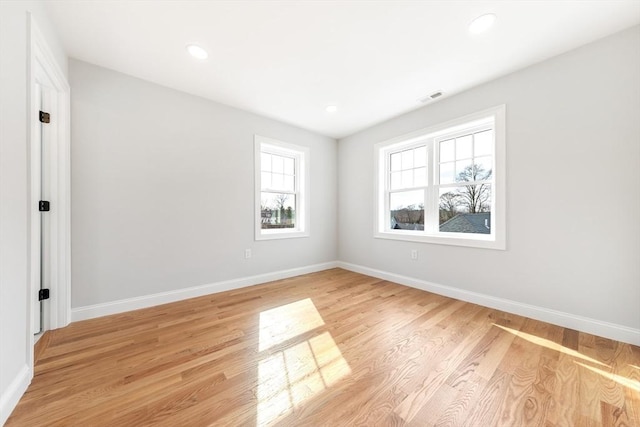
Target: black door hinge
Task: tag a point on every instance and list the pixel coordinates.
(43, 294)
(45, 117)
(43, 206)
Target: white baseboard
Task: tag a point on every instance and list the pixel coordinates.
(580, 323)
(567, 320)
(10, 397)
(120, 306)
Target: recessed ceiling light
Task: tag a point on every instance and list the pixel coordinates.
(197, 52)
(331, 109)
(482, 23)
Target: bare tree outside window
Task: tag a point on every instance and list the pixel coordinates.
(449, 203)
(475, 198)
(277, 210)
(466, 208)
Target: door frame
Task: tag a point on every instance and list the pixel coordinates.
(43, 69)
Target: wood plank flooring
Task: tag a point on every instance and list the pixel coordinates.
(333, 348)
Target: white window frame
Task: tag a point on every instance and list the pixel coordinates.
(493, 117)
(301, 156)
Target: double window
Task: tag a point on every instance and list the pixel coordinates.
(281, 189)
(445, 184)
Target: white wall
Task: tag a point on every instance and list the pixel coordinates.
(15, 341)
(573, 188)
(162, 190)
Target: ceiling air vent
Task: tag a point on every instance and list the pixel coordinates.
(432, 97)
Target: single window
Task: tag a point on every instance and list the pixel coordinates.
(445, 184)
(281, 189)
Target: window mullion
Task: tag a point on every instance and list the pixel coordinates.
(387, 192)
(430, 209)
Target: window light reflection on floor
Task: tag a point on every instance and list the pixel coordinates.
(304, 369)
(627, 382)
(549, 344)
(287, 321)
(624, 381)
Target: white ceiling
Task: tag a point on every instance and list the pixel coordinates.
(290, 59)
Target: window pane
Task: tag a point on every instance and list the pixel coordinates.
(483, 143)
(289, 168)
(407, 210)
(420, 157)
(278, 210)
(466, 209)
(288, 183)
(464, 171)
(265, 162)
(407, 159)
(277, 181)
(447, 173)
(396, 180)
(396, 162)
(420, 177)
(265, 180)
(278, 163)
(484, 167)
(463, 147)
(447, 150)
(407, 178)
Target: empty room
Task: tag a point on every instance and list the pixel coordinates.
(319, 213)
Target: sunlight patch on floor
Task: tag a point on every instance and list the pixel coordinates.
(627, 382)
(287, 321)
(301, 371)
(550, 344)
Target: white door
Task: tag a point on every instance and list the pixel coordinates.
(49, 176)
(42, 225)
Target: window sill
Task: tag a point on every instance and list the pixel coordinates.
(451, 239)
(282, 235)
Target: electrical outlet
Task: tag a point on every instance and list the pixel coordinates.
(414, 254)
(247, 253)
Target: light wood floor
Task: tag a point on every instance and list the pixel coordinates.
(332, 348)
